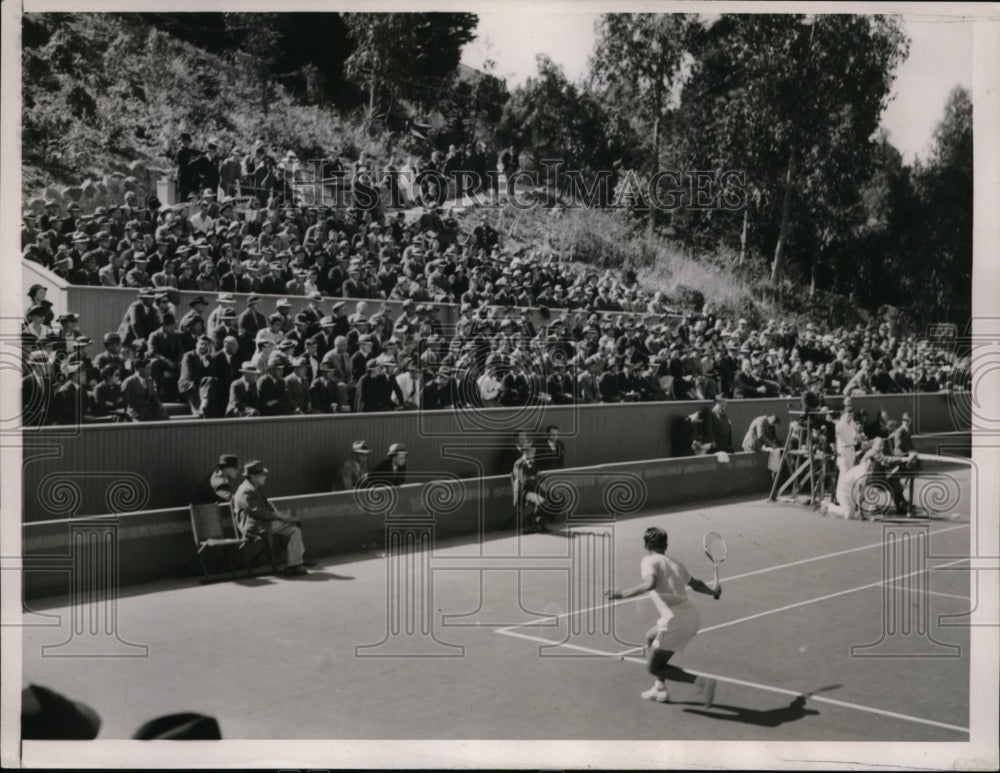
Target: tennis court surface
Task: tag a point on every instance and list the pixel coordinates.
(509, 637)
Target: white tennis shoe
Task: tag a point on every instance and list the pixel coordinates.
(657, 694)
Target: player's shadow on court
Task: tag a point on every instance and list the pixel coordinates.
(769, 718)
(316, 575)
(250, 582)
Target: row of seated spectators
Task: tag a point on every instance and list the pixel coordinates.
(229, 362)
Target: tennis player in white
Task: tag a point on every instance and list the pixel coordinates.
(666, 581)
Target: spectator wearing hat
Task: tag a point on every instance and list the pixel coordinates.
(250, 321)
(221, 483)
(69, 397)
(489, 383)
(900, 439)
(410, 386)
(762, 435)
(196, 382)
(886, 467)
(196, 310)
(550, 451)
(391, 471)
(514, 387)
(255, 515)
(166, 351)
(587, 384)
(559, 386)
(437, 393)
(230, 171)
(202, 222)
(527, 492)
(87, 273)
(718, 429)
(142, 403)
(112, 354)
(244, 399)
(225, 327)
(187, 178)
(283, 309)
(237, 279)
(225, 369)
(107, 400)
(298, 383)
(355, 468)
(745, 382)
(137, 276)
(860, 382)
(342, 369)
(226, 303)
(361, 357)
(326, 337)
(35, 329)
(298, 334)
(324, 395)
(274, 398)
(610, 383)
(375, 389)
(37, 300)
(141, 318)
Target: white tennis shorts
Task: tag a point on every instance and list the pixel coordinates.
(678, 627)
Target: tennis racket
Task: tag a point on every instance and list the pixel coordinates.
(715, 549)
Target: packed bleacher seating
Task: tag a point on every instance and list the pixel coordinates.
(602, 339)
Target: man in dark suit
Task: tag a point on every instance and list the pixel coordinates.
(325, 338)
(255, 515)
(323, 392)
(225, 369)
(166, 350)
(391, 471)
(272, 388)
(437, 392)
(243, 397)
(68, 398)
(141, 319)
(220, 484)
(142, 403)
(251, 320)
(550, 453)
(196, 382)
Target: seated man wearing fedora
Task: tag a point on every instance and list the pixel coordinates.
(255, 515)
(355, 468)
(391, 471)
(221, 484)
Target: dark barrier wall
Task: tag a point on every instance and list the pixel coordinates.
(122, 468)
(154, 545)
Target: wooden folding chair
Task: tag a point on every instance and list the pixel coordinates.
(210, 535)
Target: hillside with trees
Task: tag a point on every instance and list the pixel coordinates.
(813, 210)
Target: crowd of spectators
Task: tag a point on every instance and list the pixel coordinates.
(596, 336)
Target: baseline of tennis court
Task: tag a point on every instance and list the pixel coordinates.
(514, 639)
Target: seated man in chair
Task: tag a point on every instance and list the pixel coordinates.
(255, 515)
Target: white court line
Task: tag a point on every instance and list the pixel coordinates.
(932, 592)
(824, 598)
(745, 683)
(547, 619)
